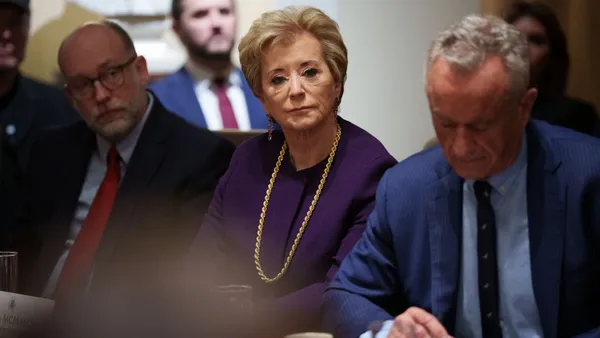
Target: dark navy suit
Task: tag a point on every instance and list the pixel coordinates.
(176, 92)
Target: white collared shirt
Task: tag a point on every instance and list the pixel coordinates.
(93, 179)
(206, 93)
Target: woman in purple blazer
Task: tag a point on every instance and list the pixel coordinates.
(295, 200)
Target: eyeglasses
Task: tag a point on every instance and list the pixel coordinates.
(111, 79)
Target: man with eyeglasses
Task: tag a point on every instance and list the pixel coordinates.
(26, 107)
(120, 193)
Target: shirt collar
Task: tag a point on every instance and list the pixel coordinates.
(201, 74)
(503, 181)
(126, 147)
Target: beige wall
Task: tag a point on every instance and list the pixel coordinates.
(53, 20)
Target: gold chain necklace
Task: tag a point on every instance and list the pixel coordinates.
(263, 214)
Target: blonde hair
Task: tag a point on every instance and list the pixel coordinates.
(282, 26)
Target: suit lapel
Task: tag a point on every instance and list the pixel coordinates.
(145, 161)
(546, 216)
(444, 214)
(77, 160)
(149, 150)
(185, 98)
(74, 156)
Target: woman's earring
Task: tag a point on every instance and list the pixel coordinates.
(270, 128)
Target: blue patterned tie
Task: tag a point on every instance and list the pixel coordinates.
(487, 262)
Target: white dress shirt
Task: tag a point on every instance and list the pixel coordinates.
(206, 93)
(93, 179)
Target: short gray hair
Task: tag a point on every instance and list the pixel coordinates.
(466, 45)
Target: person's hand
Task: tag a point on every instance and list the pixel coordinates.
(417, 323)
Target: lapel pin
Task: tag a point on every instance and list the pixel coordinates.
(10, 129)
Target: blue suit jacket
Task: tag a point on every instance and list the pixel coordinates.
(410, 253)
(176, 92)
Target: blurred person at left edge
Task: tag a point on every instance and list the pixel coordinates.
(26, 107)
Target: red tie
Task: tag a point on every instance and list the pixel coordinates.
(227, 114)
(78, 264)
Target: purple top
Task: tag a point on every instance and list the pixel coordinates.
(340, 216)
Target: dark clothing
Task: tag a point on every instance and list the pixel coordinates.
(27, 109)
(228, 237)
(161, 200)
(566, 112)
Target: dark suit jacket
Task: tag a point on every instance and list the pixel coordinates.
(161, 200)
(177, 93)
(410, 253)
(566, 112)
(34, 107)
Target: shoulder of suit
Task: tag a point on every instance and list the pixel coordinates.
(165, 82)
(419, 169)
(363, 148)
(52, 96)
(52, 106)
(193, 135)
(557, 135)
(75, 131)
(40, 88)
(574, 150)
(359, 138)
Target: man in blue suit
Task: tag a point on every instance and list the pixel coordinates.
(494, 233)
(208, 90)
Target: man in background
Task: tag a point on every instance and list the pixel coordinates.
(26, 107)
(208, 90)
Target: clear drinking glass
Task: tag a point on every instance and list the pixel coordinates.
(8, 271)
(227, 312)
(237, 296)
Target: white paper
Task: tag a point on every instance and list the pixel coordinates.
(20, 313)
